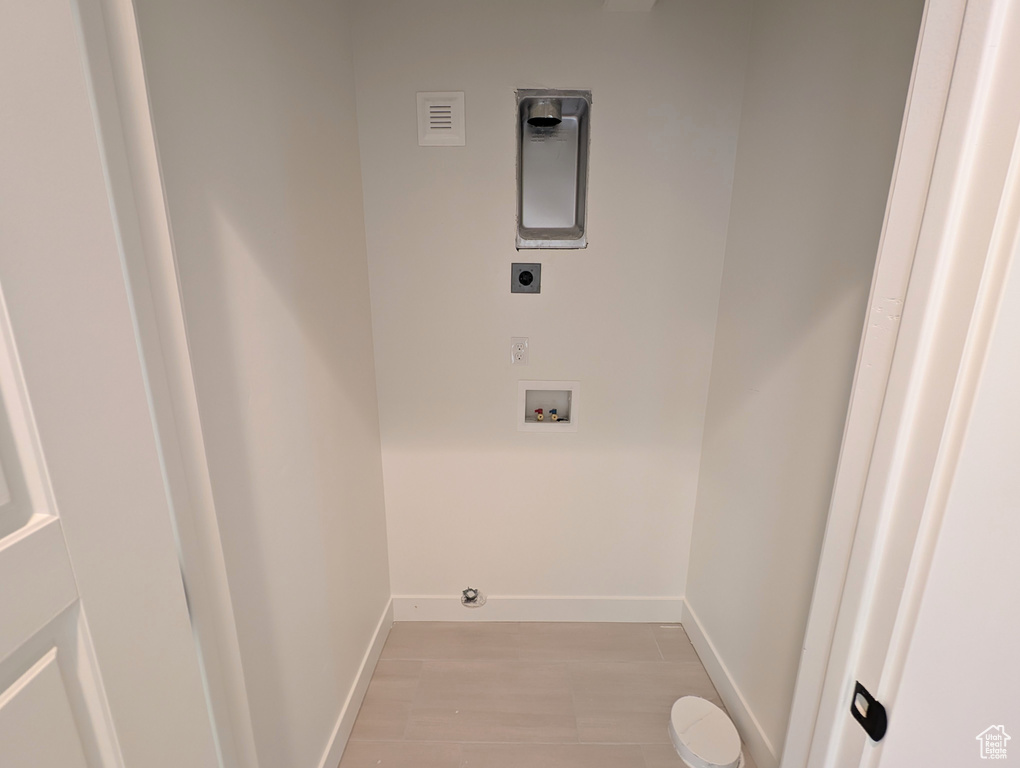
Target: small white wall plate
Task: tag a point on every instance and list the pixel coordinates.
(441, 119)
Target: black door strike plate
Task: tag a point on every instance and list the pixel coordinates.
(869, 712)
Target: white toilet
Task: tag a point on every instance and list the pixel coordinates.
(704, 736)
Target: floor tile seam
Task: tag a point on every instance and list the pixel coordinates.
(411, 703)
(573, 704)
(420, 741)
(447, 658)
(517, 639)
(658, 646)
(493, 663)
(595, 659)
(410, 742)
(433, 713)
(550, 660)
(662, 663)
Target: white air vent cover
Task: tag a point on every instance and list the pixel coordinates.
(441, 119)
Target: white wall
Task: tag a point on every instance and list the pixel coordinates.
(821, 115)
(606, 511)
(961, 673)
(254, 110)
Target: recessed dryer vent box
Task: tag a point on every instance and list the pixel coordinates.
(552, 168)
(561, 396)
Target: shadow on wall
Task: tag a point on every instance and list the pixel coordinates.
(284, 406)
(824, 97)
(254, 109)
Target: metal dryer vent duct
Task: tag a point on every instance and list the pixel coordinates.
(545, 113)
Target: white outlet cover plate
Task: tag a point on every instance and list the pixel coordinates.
(518, 343)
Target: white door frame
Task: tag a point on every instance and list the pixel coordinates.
(956, 145)
(842, 599)
(124, 123)
(919, 136)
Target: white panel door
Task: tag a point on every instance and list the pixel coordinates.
(98, 664)
(52, 708)
(37, 726)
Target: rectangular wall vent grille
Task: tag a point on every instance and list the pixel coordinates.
(441, 119)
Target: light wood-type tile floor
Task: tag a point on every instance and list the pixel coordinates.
(526, 695)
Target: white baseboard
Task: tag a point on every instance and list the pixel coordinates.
(531, 608)
(349, 712)
(751, 732)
